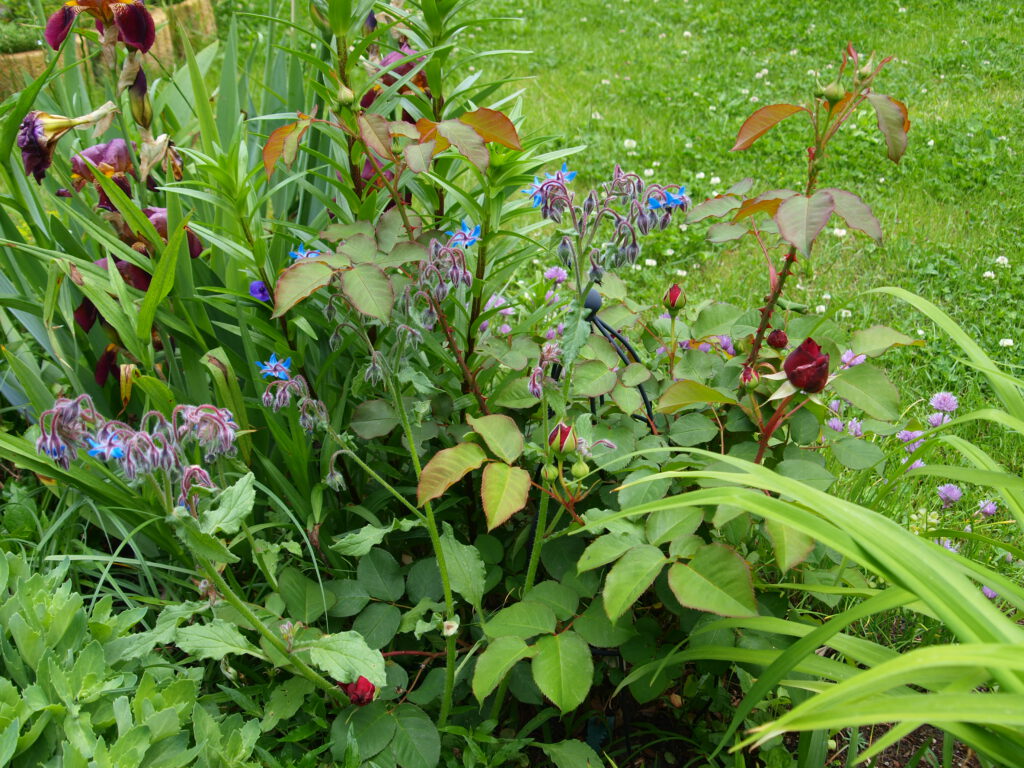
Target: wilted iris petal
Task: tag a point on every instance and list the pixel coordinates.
(60, 23)
(158, 218)
(106, 365)
(86, 314)
(37, 138)
(135, 26)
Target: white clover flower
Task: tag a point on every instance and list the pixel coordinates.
(745, 91)
(902, 9)
(637, 267)
(606, 81)
(595, 115)
(754, 99)
(827, 296)
(1006, 342)
(688, 145)
(820, 309)
(687, 33)
(699, 175)
(715, 180)
(629, 143)
(681, 272)
(656, 163)
(839, 232)
(989, 274)
(712, 108)
(793, 52)
(758, 75)
(683, 227)
(845, 314)
(668, 252)
(920, 332)
(931, 142)
(650, 263)
(1002, 261)
(648, 172)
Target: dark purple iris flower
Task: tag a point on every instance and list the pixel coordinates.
(135, 27)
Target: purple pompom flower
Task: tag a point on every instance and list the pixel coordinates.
(949, 494)
(990, 593)
(937, 419)
(849, 359)
(854, 427)
(835, 423)
(944, 401)
(987, 507)
(557, 274)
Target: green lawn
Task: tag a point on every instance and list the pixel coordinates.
(679, 78)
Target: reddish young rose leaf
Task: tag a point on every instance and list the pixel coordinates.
(856, 213)
(493, 126)
(446, 468)
(724, 231)
(418, 156)
(376, 134)
(800, 219)
(893, 122)
(283, 144)
(428, 132)
(762, 121)
(299, 281)
(840, 105)
(466, 140)
(757, 205)
(504, 491)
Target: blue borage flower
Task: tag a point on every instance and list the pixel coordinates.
(275, 368)
(465, 237)
(258, 290)
(109, 448)
(563, 174)
(302, 253)
(671, 200)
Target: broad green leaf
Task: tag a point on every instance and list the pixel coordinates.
(496, 661)
(504, 491)
(204, 544)
(667, 524)
(374, 130)
(800, 219)
(562, 600)
(572, 753)
(598, 630)
(630, 577)
(501, 434)
(213, 640)
(715, 580)
(298, 282)
(855, 453)
(634, 373)
(345, 656)
(856, 213)
(593, 379)
(628, 399)
(360, 542)
(359, 249)
(605, 549)
(378, 623)
(867, 388)
(285, 700)
(369, 290)
(351, 597)
(563, 669)
(683, 393)
(791, 545)
(233, 505)
(446, 468)
(805, 471)
(638, 489)
(380, 576)
(372, 727)
(692, 429)
(726, 231)
(373, 418)
(522, 620)
(466, 572)
(875, 340)
(892, 122)
(416, 743)
(763, 120)
(303, 597)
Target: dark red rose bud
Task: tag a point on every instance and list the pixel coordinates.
(562, 438)
(807, 367)
(778, 339)
(674, 298)
(360, 692)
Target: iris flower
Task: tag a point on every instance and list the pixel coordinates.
(40, 131)
(131, 19)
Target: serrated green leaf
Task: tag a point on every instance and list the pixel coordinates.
(369, 290)
(496, 661)
(233, 505)
(563, 669)
(501, 434)
(715, 580)
(213, 640)
(446, 468)
(630, 577)
(504, 490)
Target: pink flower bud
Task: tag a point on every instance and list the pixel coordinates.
(360, 692)
(674, 299)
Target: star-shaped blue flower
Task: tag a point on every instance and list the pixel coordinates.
(534, 191)
(109, 449)
(302, 253)
(465, 237)
(275, 368)
(671, 200)
(564, 173)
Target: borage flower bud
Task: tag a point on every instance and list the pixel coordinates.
(562, 438)
(360, 692)
(674, 299)
(778, 339)
(807, 367)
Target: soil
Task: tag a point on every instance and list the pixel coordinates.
(902, 752)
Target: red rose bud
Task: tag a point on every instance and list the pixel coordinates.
(750, 378)
(360, 692)
(778, 339)
(807, 367)
(562, 438)
(674, 299)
